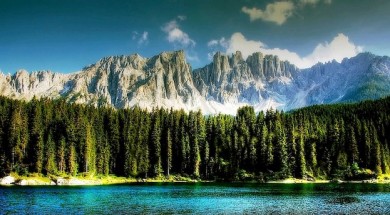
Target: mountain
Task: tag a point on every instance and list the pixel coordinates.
(365, 76)
(228, 82)
(260, 81)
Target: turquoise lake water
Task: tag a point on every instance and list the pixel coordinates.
(198, 198)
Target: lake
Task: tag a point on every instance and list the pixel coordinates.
(198, 198)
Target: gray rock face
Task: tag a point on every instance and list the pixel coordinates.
(364, 76)
(167, 80)
(23, 85)
(121, 82)
(126, 81)
(257, 81)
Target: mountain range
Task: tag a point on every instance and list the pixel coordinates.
(228, 82)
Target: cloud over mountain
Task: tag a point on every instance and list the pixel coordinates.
(339, 48)
(177, 36)
(180, 39)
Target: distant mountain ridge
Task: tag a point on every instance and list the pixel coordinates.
(228, 82)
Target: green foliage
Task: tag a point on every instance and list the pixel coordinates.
(334, 141)
(51, 166)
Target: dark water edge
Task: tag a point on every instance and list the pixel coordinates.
(198, 198)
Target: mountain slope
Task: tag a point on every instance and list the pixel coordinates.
(167, 80)
(362, 77)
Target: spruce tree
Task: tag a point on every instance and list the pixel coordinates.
(301, 160)
(50, 166)
(169, 152)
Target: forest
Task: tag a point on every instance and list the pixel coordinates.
(324, 141)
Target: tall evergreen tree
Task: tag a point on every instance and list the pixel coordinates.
(61, 155)
(169, 153)
(72, 159)
(156, 147)
(50, 166)
(301, 160)
(90, 150)
(263, 148)
(281, 157)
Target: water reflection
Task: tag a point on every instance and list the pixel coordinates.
(199, 198)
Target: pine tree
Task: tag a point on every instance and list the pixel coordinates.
(376, 163)
(206, 159)
(194, 136)
(270, 152)
(36, 137)
(263, 148)
(253, 154)
(312, 156)
(281, 158)
(169, 153)
(106, 157)
(89, 151)
(50, 166)
(292, 147)
(144, 163)
(61, 152)
(18, 139)
(72, 159)
(112, 126)
(156, 147)
(129, 142)
(366, 146)
(301, 160)
(352, 146)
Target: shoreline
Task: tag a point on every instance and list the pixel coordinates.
(113, 180)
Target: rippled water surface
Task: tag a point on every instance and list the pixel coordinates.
(200, 198)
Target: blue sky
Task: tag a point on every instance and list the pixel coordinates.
(64, 36)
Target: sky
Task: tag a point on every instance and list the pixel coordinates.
(65, 36)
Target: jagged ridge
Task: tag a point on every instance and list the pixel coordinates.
(167, 80)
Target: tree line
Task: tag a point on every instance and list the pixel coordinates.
(325, 141)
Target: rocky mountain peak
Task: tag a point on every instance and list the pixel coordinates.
(220, 63)
(228, 82)
(236, 59)
(177, 56)
(134, 61)
(165, 59)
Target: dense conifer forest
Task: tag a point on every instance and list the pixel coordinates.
(326, 141)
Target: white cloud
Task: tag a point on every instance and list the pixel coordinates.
(212, 43)
(338, 49)
(180, 39)
(312, 2)
(215, 45)
(191, 55)
(182, 17)
(176, 36)
(239, 43)
(210, 55)
(276, 12)
(142, 39)
(221, 42)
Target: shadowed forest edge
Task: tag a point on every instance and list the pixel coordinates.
(55, 138)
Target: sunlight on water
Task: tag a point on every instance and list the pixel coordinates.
(199, 199)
